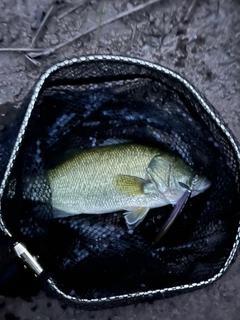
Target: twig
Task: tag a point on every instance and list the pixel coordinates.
(34, 61)
(79, 35)
(226, 63)
(133, 27)
(218, 7)
(99, 24)
(42, 25)
(70, 10)
(190, 11)
(22, 49)
(38, 33)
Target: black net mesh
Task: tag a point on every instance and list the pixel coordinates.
(94, 256)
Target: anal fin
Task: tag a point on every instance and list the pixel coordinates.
(57, 213)
(135, 216)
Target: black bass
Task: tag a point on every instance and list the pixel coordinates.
(123, 176)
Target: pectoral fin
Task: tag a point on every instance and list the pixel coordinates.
(135, 216)
(131, 185)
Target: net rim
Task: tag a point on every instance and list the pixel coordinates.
(209, 109)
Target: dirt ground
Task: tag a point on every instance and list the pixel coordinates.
(205, 49)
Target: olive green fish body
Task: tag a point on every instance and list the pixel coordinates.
(88, 183)
(119, 177)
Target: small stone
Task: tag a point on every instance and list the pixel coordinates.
(54, 40)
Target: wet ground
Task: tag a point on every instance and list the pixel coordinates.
(202, 44)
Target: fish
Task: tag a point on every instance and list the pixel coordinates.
(123, 176)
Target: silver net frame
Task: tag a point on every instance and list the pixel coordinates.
(24, 254)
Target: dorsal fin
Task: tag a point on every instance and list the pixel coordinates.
(112, 141)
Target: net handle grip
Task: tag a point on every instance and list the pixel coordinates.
(29, 260)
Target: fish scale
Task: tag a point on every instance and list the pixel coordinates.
(98, 166)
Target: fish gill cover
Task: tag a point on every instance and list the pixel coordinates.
(80, 106)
